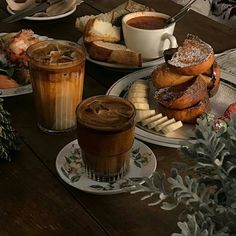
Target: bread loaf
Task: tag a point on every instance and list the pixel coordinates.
(6, 82)
(183, 96)
(113, 15)
(212, 78)
(115, 53)
(163, 77)
(96, 30)
(187, 115)
(193, 57)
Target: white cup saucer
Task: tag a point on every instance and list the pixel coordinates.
(69, 166)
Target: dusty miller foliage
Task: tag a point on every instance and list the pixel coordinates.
(206, 188)
(8, 137)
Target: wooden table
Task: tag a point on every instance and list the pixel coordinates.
(33, 198)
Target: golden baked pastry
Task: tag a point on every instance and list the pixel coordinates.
(163, 77)
(193, 57)
(212, 78)
(6, 82)
(184, 95)
(187, 115)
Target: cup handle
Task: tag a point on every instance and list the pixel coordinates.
(172, 40)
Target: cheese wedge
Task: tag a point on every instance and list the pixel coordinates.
(162, 125)
(151, 119)
(141, 105)
(172, 127)
(143, 114)
(157, 122)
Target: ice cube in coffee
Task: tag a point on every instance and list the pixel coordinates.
(57, 76)
(105, 127)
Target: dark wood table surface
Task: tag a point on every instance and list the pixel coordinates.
(33, 198)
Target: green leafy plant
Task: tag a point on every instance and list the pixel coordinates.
(204, 186)
(8, 137)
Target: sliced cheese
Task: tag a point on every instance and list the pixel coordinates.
(158, 127)
(172, 127)
(143, 114)
(151, 119)
(157, 122)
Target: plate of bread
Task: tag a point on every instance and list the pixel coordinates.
(170, 97)
(102, 38)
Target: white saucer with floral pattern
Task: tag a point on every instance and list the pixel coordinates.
(69, 166)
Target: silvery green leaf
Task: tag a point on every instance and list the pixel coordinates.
(168, 206)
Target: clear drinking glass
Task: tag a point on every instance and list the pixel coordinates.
(105, 128)
(57, 77)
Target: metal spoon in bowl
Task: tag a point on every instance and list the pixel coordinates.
(179, 15)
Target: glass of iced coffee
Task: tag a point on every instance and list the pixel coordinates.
(57, 77)
(105, 127)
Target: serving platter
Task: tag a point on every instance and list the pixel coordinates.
(225, 96)
(120, 67)
(44, 18)
(23, 89)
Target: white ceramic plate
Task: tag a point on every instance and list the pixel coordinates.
(225, 96)
(24, 89)
(120, 67)
(69, 166)
(42, 18)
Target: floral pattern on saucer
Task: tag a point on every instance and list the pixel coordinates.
(70, 165)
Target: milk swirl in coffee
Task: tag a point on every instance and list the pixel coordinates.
(57, 71)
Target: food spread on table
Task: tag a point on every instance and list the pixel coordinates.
(138, 94)
(13, 58)
(103, 38)
(183, 88)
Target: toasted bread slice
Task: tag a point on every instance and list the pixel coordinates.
(6, 82)
(188, 115)
(99, 30)
(193, 58)
(212, 79)
(113, 15)
(115, 53)
(183, 96)
(163, 77)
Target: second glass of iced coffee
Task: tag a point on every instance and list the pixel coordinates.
(105, 128)
(57, 77)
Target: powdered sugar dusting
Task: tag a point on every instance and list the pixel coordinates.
(193, 52)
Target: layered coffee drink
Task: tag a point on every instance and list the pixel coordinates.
(57, 76)
(105, 127)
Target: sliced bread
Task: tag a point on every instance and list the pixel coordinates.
(115, 53)
(96, 30)
(193, 57)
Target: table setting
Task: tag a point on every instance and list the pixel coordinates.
(95, 127)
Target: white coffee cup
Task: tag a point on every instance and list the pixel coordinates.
(151, 43)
